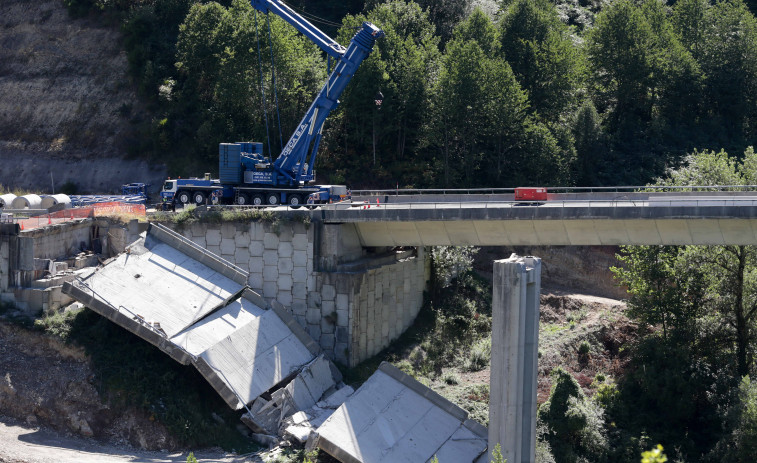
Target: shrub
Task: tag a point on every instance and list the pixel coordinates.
(584, 348)
(479, 355)
(450, 261)
(575, 424)
(740, 444)
(654, 456)
(451, 378)
(606, 395)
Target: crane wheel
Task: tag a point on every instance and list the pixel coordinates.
(294, 201)
(257, 200)
(272, 199)
(199, 198)
(184, 197)
(243, 199)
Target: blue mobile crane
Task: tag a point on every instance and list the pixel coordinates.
(246, 175)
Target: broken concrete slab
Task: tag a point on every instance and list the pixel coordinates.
(155, 282)
(394, 418)
(197, 308)
(301, 393)
(299, 425)
(248, 348)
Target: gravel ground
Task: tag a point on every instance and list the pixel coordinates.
(22, 444)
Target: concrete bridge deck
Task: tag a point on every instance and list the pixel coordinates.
(680, 219)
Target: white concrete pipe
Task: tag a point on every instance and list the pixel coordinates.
(6, 200)
(49, 201)
(27, 202)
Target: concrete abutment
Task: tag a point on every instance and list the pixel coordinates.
(353, 301)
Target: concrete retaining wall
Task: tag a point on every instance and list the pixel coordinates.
(351, 303)
(386, 302)
(4, 262)
(25, 258)
(57, 241)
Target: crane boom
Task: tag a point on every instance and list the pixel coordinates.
(246, 175)
(325, 42)
(295, 163)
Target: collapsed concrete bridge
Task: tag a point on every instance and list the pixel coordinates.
(196, 307)
(342, 291)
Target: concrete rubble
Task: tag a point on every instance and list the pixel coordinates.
(394, 418)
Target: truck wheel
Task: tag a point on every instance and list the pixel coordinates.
(243, 199)
(199, 198)
(184, 197)
(294, 201)
(257, 200)
(272, 199)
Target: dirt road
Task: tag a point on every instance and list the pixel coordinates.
(20, 444)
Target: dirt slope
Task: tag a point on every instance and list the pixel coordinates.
(45, 382)
(66, 106)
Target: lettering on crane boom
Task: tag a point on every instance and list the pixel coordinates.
(294, 140)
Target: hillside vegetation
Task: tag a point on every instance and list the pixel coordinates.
(476, 94)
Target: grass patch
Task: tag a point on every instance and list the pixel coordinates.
(131, 372)
(451, 378)
(479, 355)
(475, 400)
(550, 328)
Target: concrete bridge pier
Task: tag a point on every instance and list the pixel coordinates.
(515, 340)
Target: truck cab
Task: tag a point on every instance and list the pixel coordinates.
(328, 194)
(169, 191)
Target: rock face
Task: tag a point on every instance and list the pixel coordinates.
(65, 102)
(46, 382)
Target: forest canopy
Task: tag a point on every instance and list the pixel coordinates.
(475, 93)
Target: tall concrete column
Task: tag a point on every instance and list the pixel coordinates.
(515, 339)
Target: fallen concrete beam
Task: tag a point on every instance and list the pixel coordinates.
(394, 418)
(195, 306)
(154, 282)
(243, 350)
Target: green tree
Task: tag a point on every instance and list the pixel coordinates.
(621, 49)
(445, 15)
(386, 143)
(663, 292)
(542, 55)
(740, 444)
(729, 60)
(590, 145)
(219, 96)
(486, 134)
(575, 424)
(647, 83)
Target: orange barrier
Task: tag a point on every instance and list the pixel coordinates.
(96, 210)
(116, 208)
